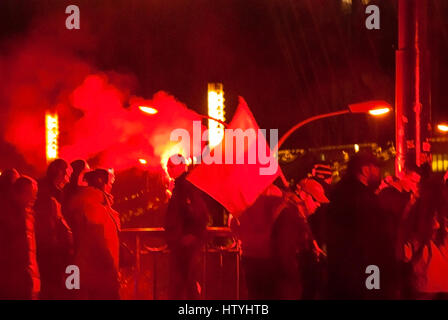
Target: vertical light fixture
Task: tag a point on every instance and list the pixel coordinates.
(216, 111)
(52, 134)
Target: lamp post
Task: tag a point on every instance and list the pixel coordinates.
(373, 107)
(412, 85)
(152, 111)
(442, 127)
(148, 109)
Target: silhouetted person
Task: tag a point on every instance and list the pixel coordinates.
(97, 254)
(79, 168)
(290, 237)
(397, 198)
(53, 235)
(358, 234)
(19, 272)
(313, 260)
(254, 228)
(323, 173)
(7, 179)
(427, 235)
(185, 229)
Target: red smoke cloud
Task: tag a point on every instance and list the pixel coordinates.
(98, 117)
(34, 79)
(117, 136)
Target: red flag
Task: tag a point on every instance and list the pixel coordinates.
(238, 184)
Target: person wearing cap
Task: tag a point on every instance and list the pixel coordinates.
(312, 193)
(313, 196)
(290, 236)
(358, 234)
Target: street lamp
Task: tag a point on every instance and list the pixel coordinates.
(143, 161)
(153, 111)
(372, 107)
(442, 127)
(148, 109)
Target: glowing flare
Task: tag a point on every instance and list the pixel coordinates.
(52, 134)
(216, 111)
(148, 110)
(170, 151)
(379, 111)
(442, 127)
(142, 161)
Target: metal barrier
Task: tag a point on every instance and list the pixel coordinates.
(158, 233)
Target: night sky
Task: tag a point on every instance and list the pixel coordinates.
(290, 59)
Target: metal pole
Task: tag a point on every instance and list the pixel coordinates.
(204, 274)
(417, 102)
(238, 257)
(403, 74)
(154, 282)
(412, 87)
(422, 103)
(137, 262)
(221, 271)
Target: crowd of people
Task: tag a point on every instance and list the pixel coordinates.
(318, 240)
(314, 240)
(65, 219)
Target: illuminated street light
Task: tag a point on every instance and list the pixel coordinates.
(220, 124)
(442, 127)
(153, 111)
(148, 110)
(372, 107)
(379, 112)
